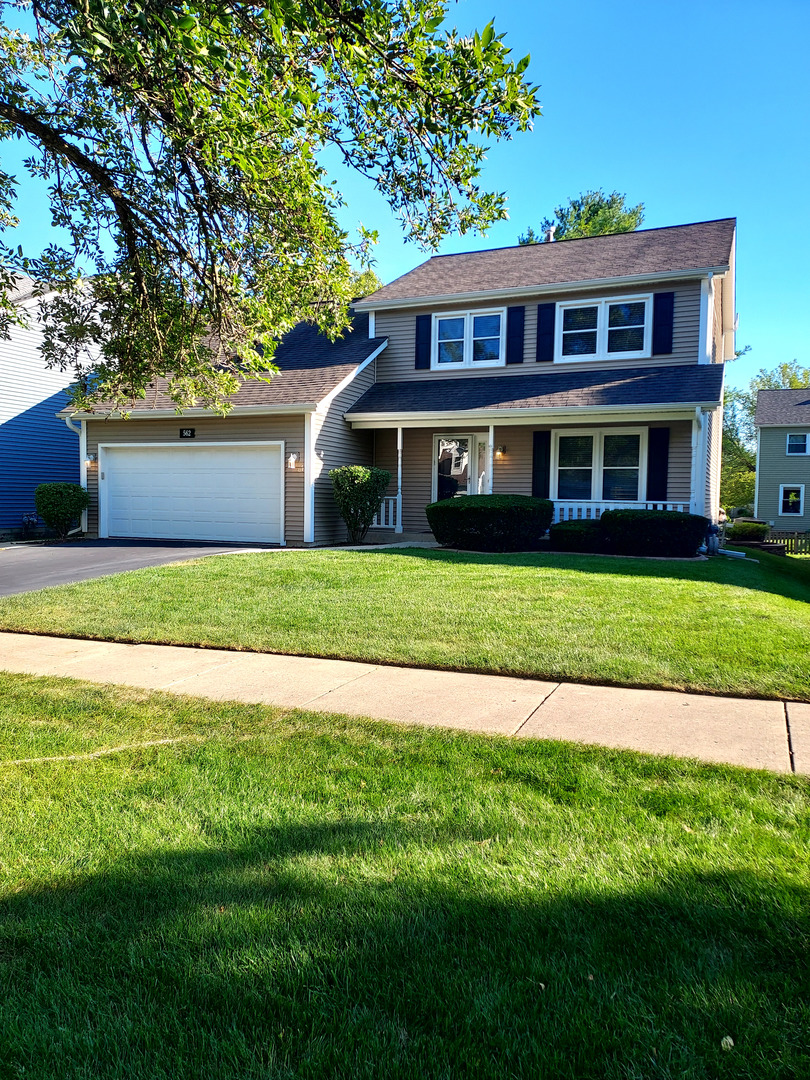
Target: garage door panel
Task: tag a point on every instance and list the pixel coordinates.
(231, 493)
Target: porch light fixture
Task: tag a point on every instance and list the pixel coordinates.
(500, 452)
(291, 460)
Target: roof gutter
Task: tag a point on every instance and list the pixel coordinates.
(535, 290)
(177, 414)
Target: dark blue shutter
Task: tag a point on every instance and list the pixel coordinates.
(657, 464)
(663, 310)
(514, 334)
(423, 325)
(541, 464)
(545, 333)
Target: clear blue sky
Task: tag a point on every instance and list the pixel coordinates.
(699, 110)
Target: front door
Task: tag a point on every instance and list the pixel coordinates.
(459, 466)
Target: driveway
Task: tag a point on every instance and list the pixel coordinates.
(25, 567)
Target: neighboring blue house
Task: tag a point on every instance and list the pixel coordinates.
(35, 446)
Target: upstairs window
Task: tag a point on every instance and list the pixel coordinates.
(798, 444)
(619, 329)
(470, 339)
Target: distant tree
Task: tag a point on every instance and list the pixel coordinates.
(593, 213)
(366, 282)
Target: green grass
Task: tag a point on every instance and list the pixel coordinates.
(724, 625)
(300, 896)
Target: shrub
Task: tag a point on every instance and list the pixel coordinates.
(60, 505)
(575, 536)
(748, 530)
(490, 522)
(358, 491)
(663, 533)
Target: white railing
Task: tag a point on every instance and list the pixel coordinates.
(386, 516)
(583, 511)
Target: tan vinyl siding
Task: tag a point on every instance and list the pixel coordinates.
(775, 468)
(336, 444)
(512, 474)
(289, 429)
(397, 362)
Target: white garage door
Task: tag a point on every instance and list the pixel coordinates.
(196, 492)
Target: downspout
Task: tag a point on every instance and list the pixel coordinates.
(81, 431)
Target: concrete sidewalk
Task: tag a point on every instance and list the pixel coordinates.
(771, 735)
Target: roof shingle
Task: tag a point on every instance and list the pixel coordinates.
(783, 407)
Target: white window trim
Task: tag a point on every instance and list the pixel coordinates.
(467, 362)
(598, 456)
(806, 450)
(602, 306)
(800, 512)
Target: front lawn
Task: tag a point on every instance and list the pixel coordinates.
(722, 626)
(299, 896)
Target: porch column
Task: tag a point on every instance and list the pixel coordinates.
(398, 526)
(490, 457)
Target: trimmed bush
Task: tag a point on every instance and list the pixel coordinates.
(662, 533)
(490, 522)
(358, 491)
(575, 536)
(60, 505)
(748, 530)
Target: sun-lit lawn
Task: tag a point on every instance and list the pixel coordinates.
(304, 896)
(729, 626)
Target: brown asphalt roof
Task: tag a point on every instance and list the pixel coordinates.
(783, 407)
(311, 366)
(706, 244)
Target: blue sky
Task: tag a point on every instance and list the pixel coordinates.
(699, 110)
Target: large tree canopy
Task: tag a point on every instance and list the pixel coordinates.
(180, 144)
(592, 213)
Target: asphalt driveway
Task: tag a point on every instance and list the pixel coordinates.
(25, 567)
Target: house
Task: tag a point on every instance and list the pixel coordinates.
(782, 421)
(586, 371)
(35, 447)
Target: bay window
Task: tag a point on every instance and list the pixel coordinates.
(618, 329)
(599, 466)
(472, 339)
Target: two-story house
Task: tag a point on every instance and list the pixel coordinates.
(585, 371)
(782, 422)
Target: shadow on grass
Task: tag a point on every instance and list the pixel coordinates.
(782, 577)
(303, 953)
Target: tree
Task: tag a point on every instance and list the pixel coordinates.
(180, 141)
(592, 213)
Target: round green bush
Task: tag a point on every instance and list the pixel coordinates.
(575, 536)
(490, 522)
(60, 505)
(358, 491)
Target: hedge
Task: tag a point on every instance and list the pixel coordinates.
(490, 522)
(747, 530)
(60, 505)
(575, 536)
(662, 533)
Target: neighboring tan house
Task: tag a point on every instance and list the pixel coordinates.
(783, 458)
(35, 447)
(585, 371)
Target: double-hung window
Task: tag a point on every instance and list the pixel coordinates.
(618, 329)
(600, 466)
(798, 443)
(791, 500)
(469, 339)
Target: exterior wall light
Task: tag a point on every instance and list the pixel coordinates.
(500, 452)
(291, 460)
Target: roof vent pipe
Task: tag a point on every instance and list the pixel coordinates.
(550, 234)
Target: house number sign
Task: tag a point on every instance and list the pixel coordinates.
(188, 433)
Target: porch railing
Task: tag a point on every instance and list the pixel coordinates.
(386, 516)
(584, 511)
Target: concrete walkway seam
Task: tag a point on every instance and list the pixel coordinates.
(791, 755)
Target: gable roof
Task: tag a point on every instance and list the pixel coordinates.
(783, 408)
(311, 367)
(704, 246)
(678, 385)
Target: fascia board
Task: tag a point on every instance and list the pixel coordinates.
(171, 414)
(507, 417)
(631, 280)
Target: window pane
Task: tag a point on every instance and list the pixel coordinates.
(487, 349)
(574, 484)
(626, 340)
(576, 451)
(626, 314)
(451, 352)
(580, 344)
(451, 329)
(791, 500)
(622, 450)
(486, 326)
(579, 318)
(620, 484)
(797, 444)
